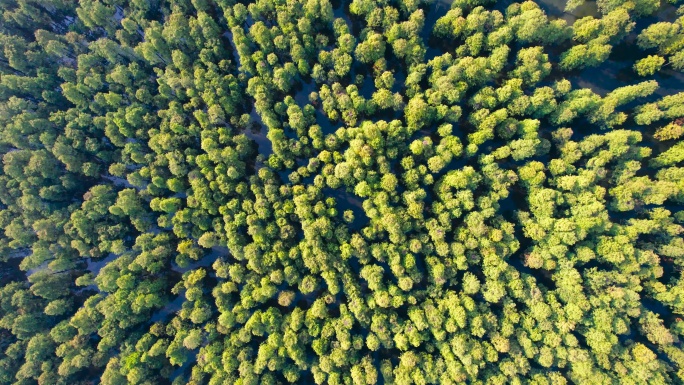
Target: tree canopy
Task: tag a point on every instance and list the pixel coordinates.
(341, 192)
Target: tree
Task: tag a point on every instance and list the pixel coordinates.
(371, 49)
(532, 64)
(649, 65)
(586, 55)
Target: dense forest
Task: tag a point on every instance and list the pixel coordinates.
(330, 192)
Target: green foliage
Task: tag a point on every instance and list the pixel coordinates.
(668, 39)
(649, 65)
(672, 131)
(306, 191)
